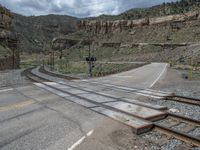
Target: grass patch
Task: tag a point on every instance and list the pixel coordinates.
(196, 75)
(71, 67)
(108, 68)
(192, 75)
(100, 69)
(29, 60)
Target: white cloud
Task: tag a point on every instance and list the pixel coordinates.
(78, 8)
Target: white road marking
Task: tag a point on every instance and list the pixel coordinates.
(5, 90)
(77, 143)
(159, 76)
(57, 92)
(80, 140)
(90, 133)
(144, 91)
(120, 76)
(148, 95)
(140, 92)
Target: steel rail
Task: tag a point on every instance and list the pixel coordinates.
(187, 138)
(178, 98)
(105, 95)
(136, 90)
(185, 119)
(184, 99)
(28, 73)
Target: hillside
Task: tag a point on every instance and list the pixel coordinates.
(9, 55)
(178, 7)
(172, 8)
(155, 37)
(36, 32)
(130, 36)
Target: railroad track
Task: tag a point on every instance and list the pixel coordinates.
(183, 99)
(150, 92)
(179, 127)
(33, 77)
(168, 126)
(41, 69)
(173, 97)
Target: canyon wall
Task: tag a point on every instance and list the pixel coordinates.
(9, 55)
(6, 18)
(104, 26)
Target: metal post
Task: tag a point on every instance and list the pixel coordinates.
(53, 59)
(90, 62)
(43, 60)
(13, 58)
(52, 56)
(50, 61)
(191, 71)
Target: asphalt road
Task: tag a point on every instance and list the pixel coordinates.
(36, 119)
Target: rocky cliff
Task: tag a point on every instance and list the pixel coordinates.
(104, 26)
(5, 18)
(9, 55)
(61, 43)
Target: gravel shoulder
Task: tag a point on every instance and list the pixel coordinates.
(172, 81)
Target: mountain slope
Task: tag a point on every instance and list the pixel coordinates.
(36, 32)
(180, 6)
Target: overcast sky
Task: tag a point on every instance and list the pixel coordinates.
(78, 8)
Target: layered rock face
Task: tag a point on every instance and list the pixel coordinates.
(9, 55)
(61, 43)
(5, 18)
(5, 21)
(102, 26)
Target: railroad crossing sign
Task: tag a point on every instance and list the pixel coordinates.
(90, 60)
